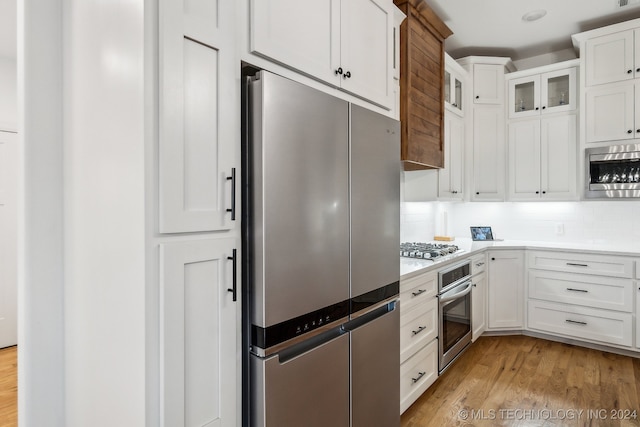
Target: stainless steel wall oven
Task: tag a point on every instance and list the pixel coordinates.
(454, 294)
(613, 171)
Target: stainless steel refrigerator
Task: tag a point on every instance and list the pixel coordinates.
(321, 228)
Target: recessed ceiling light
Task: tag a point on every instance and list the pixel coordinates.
(534, 15)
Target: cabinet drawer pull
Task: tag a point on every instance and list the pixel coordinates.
(629, 71)
(420, 292)
(479, 264)
(578, 290)
(576, 322)
(420, 375)
(232, 178)
(420, 329)
(573, 264)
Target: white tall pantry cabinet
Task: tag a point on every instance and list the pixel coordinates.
(198, 162)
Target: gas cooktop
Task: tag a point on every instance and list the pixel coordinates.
(428, 251)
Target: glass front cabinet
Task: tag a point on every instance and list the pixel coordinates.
(453, 92)
(544, 93)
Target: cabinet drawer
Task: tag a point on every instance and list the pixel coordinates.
(478, 264)
(572, 321)
(418, 290)
(589, 291)
(417, 327)
(602, 265)
(417, 374)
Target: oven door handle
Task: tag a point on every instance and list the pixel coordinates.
(446, 297)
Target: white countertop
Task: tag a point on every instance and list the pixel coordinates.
(410, 267)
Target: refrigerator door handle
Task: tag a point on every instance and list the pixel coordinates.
(306, 346)
(370, 316)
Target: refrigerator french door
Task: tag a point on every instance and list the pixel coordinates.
(322, 229)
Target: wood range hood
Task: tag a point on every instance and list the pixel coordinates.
(422, 36)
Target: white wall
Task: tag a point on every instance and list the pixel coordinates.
(8, 94)
(586, 222)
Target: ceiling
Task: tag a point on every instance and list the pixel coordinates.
(496, 28)
(8, 38)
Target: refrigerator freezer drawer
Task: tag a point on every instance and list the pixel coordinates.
(375, 371)
(299, 391)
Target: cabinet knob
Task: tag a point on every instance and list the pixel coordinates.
(477, 192)
(339, 70)
(637, 70)
(454, 104)
(477, 96)
(544, 108)
(629, 71)
(637, 130)
(493, 259)
(347, 75)
(537, 192)
(537, 108)
(629, 131)
(544, 192)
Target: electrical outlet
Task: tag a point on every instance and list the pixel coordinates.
(559, 229)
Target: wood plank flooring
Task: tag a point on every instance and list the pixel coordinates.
(9, 387)
(525, 381)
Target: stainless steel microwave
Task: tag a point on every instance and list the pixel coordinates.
(613, 171)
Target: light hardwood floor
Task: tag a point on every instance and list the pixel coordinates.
(525, 381)
(8, 387)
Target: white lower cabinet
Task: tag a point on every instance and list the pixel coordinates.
(604, 326)
(418, 327)
(418, 336)
(505, 306)
(199, 332)
(417, 374)
(637, 286)
(478, 306)
(582, 296)
(478, 296)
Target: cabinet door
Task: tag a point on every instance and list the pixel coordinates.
(301, 35)
(558, 153)
(478, 305)
(9, 172)
(488, 84)
(558, 91)
(524, 96)
(609, 58)
(524, 160)
(505, 290)
(637, 285)
(488, 154)
(450, 178)
(199, 334)
(610, 112)
(198, 115)
(453, 92)
(367, 49)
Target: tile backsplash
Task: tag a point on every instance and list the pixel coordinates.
(588, 222)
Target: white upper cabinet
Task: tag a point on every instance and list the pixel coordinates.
(454, 86)
(450, 178)
(488, 154)
(198, 117)
(346, 43)
(544, 93)
(542, 158)
(611, 112)
(612, 57)
(488, 84)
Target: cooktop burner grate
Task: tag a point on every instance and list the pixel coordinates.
(426, 250)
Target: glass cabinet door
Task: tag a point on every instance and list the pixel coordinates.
(558, 90)
(453, 92)
(447, 87)
(524, 98)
